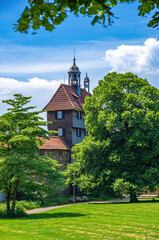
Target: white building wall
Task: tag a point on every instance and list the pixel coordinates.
(76, 139)
(78, 123)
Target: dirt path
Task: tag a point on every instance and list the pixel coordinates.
(39, 210)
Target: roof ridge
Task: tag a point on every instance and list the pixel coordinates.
(68, 97)
(54, 142)
(52, 97)
(64, 142)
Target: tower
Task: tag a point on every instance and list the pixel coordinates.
(65, 111)
(74, 77)
(86, 83)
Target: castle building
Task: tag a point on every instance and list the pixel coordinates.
(65, 109)
(66, 113)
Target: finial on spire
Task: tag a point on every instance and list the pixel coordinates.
(74, 59)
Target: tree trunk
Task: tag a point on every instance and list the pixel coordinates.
(14, 196)
(133, 197)
(8, 202)
(13, 202)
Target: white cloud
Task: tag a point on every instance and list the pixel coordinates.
(135, 58)
(32, 83)
(41, 91)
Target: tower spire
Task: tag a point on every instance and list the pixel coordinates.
(86, 83)
(74, 78)
(74, 59)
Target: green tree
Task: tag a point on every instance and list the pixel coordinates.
(48, 13)
(21, 130)
(121, 152)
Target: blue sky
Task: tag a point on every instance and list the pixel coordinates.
(35, 65)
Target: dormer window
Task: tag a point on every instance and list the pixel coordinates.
(75, 97)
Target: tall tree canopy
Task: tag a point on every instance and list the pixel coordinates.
(121, 151)
(50, 13)
(21, 130)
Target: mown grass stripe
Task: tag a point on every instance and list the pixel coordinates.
(87, 222)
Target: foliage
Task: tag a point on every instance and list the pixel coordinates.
(23, 205)
(21, 131)
(87, 221)
(48, 13)
(17, 213)
(55, 201)
(28, 205)
(28, 195)
(121, 151)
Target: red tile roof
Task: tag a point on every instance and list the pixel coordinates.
(54, 142)
(66, 98)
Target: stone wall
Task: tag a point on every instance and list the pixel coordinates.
(62, 156)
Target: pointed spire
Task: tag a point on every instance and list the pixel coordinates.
(86, 83)
(74, 59)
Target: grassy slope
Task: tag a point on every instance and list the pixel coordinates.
(87, 221)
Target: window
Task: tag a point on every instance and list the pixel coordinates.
(61, 132)
(85, 133)
(78, 132)
(79, 115)
(59, 114)
(75, 98)
(74, 77)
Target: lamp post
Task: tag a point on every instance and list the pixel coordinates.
(73, 188)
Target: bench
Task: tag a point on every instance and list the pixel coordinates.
(142, 197)
(79, 199)
(85, 198)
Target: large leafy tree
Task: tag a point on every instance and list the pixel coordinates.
(50, 13)
(21, 131)
(121, 151)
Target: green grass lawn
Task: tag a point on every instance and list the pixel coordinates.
(87, 221)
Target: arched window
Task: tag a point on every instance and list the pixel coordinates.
(74, 77)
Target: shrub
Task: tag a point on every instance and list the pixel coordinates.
(18, 213)
(27, 205)
(55, 201)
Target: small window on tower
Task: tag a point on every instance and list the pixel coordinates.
(60, 132)
(79, 115)
(78, 132)
(85, 133)
(59, 115)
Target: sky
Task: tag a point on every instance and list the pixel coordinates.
(35, 65)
